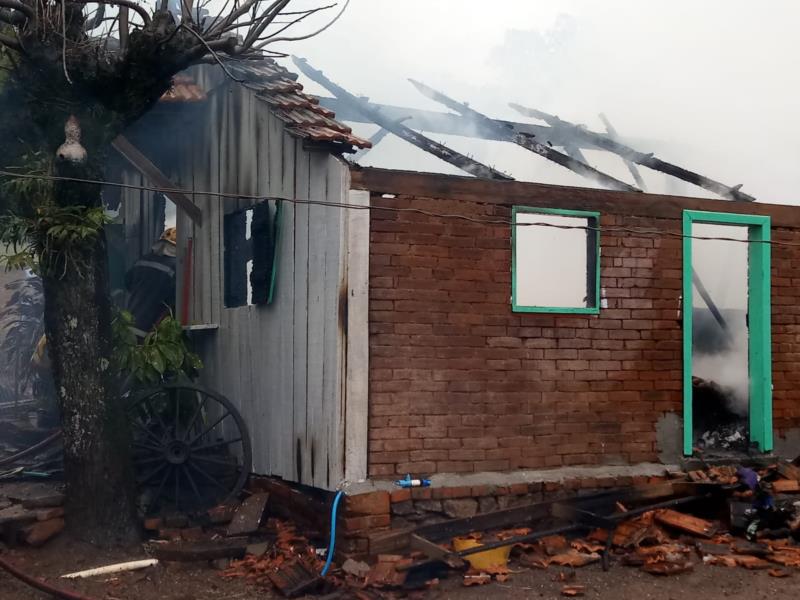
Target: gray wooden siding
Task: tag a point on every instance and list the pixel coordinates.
(283, 364)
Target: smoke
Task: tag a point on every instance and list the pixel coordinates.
(722, 356)
(729, 369)
(709, 86)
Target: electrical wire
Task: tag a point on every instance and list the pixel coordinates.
(398, 209)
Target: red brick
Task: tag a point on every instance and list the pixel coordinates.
(372, 503)
(365, 523)
(401, 495)
(41, 531)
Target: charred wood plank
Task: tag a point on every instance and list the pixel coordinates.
(612, 133)
(448, 123)
(712, 306)
(526, 141)
(575, 152)
(196, 551)
(465, 163)
(646, 160)
(248, 516)
(154, 175)
(435, 551)
(376, 139)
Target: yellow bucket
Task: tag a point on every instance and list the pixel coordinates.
(498, 557)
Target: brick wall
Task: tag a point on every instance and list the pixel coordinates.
(786, 330)
(460, 383)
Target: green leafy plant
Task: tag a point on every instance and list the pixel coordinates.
(52, 241)
(22, 321)
(163, 354)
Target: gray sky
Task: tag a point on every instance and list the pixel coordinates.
(709, 85)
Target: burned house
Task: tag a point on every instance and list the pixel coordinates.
(370, 323)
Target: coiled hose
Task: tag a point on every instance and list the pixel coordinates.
(332, 543)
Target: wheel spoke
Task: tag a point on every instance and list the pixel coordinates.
(156, 414)
(174, 392)
(152, 473)
(194, 485)
(147, 461)
(207, 476)
(210, 429)
(196, 414)
(177, 488)
(216, 445)
(148, 447)
(161, 485)
(147, 432)
(213, 461)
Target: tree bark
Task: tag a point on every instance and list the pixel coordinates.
(100, 499)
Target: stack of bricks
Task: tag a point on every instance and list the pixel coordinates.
(459, 383)
(369, 514)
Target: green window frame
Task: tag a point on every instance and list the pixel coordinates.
(592, 262)
(759, 317)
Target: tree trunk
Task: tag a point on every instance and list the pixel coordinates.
(100, 498)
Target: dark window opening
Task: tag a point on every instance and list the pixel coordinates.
(251, 241)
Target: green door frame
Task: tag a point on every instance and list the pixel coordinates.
(759, 313)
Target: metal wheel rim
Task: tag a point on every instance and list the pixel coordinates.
(172, 390)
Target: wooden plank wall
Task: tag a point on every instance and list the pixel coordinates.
(139, 213)
(283, 364)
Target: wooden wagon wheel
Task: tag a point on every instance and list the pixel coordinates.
(191, 448)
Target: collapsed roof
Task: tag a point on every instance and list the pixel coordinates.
(543, 140)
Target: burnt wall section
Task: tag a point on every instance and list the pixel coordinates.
(459, 383)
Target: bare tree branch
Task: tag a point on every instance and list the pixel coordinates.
(12, 17)
(97, 19)
(10, 42)
(214, 54)
(19, 6)
(124, 28)
(134, 6)
(272, 40)
(266, 18)
(236, 14)
(297, 20)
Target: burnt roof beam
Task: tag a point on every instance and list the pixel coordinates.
(463, 162)
(634, 170)
(526, 141)
(452, 124)
(640, 158)
(374, 140)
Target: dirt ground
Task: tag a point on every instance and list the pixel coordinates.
(198, 581)
(174, 581)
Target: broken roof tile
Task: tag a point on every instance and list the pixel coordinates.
(305, 118)
(183, 89)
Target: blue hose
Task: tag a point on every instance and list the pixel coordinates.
(332, 543)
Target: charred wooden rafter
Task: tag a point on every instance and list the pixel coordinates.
(450, 123)
(154, 175)
(376, 139)
(465, 163)
(526, 141)
(646, 160)
(612, 133)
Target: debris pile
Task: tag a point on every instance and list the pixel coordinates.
(289, 563)
(219, 535)
(718, 425)
(762, 531)
(30, 513)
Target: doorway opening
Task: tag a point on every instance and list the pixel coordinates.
(727, 383)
